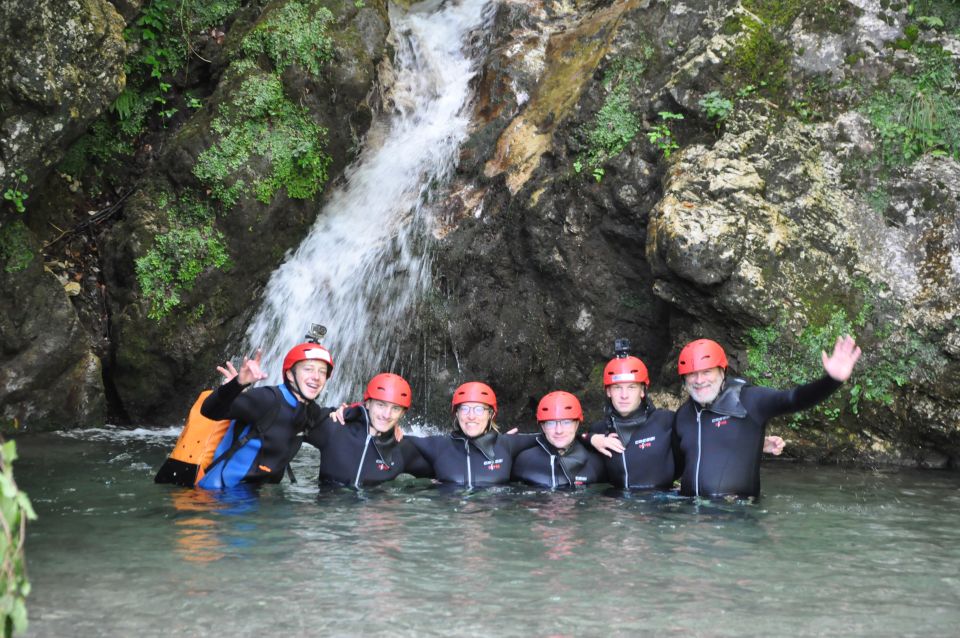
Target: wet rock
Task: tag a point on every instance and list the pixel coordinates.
(49, 376)
(65, 68)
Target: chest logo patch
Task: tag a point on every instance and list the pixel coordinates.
(643, 444)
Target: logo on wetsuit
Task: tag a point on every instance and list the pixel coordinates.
(645, 443)
(493, 465)
(579, 480)
(720, 420)
(383, 467)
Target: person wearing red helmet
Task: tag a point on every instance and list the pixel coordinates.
(266, 421)
(365, 450)
(636, 438)
(559, 459)
(721, 426)
(475, 454)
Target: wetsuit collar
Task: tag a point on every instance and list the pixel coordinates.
(484, 443)
(627, 426)
(728, 401)
(288, 395)
(386, 444)
(571, 462)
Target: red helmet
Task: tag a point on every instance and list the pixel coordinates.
(305, 351)
(389, 387)
(701, 354)
(474, 392)
(625, 370)
(559, 405)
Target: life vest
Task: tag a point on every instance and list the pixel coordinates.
(195, 448)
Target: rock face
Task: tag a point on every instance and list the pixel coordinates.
(757, 228)
(60, 66)
(49, 376)
(65, 68)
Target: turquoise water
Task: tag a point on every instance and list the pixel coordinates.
(827, 551)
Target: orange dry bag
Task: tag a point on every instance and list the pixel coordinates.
(194, 449)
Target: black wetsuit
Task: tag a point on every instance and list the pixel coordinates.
(483, 460)
(350, 455)
(546, 466)
(722, 443)
(651, 447)
(277, 418)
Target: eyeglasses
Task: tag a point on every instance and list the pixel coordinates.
(467, 410)
(552, 425)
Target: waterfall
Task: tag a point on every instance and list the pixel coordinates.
(364, 262)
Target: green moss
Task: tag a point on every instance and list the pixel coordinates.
(179, 256)
(762, 54)
(783, 357)
(293, 34)
(616, 123)
(15, 246)
(261, 121)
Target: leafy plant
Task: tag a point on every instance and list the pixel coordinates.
(660, 134)
(14, 194)
(290, 35)
(717, 107)
(174, 262)
(263, 122)
(617, 123)
(919, 113)
(15, 511)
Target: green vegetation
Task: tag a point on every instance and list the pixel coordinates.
(262, 121)
(918, 113)
(718, 108)
(762, 53)
(162, 37)
(266, 141)
(179, 256)
(661, 136)
(782, 357)
(937, 14)
(15, 252)
(14, 194)
(290, 35)
(15, 511)
(617, 123)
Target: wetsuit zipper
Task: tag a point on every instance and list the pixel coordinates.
(626, 472)
(696, 483)
(466, 447)
(363, 457)
(553, 471)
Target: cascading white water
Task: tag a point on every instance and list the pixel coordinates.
(363, 263)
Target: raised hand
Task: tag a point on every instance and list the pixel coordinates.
(840, 364)
(228, 371)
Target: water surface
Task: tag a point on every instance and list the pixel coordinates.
(827, 551)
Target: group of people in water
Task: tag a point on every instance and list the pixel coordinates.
(712, 443)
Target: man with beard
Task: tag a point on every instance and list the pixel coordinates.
(721, 427)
